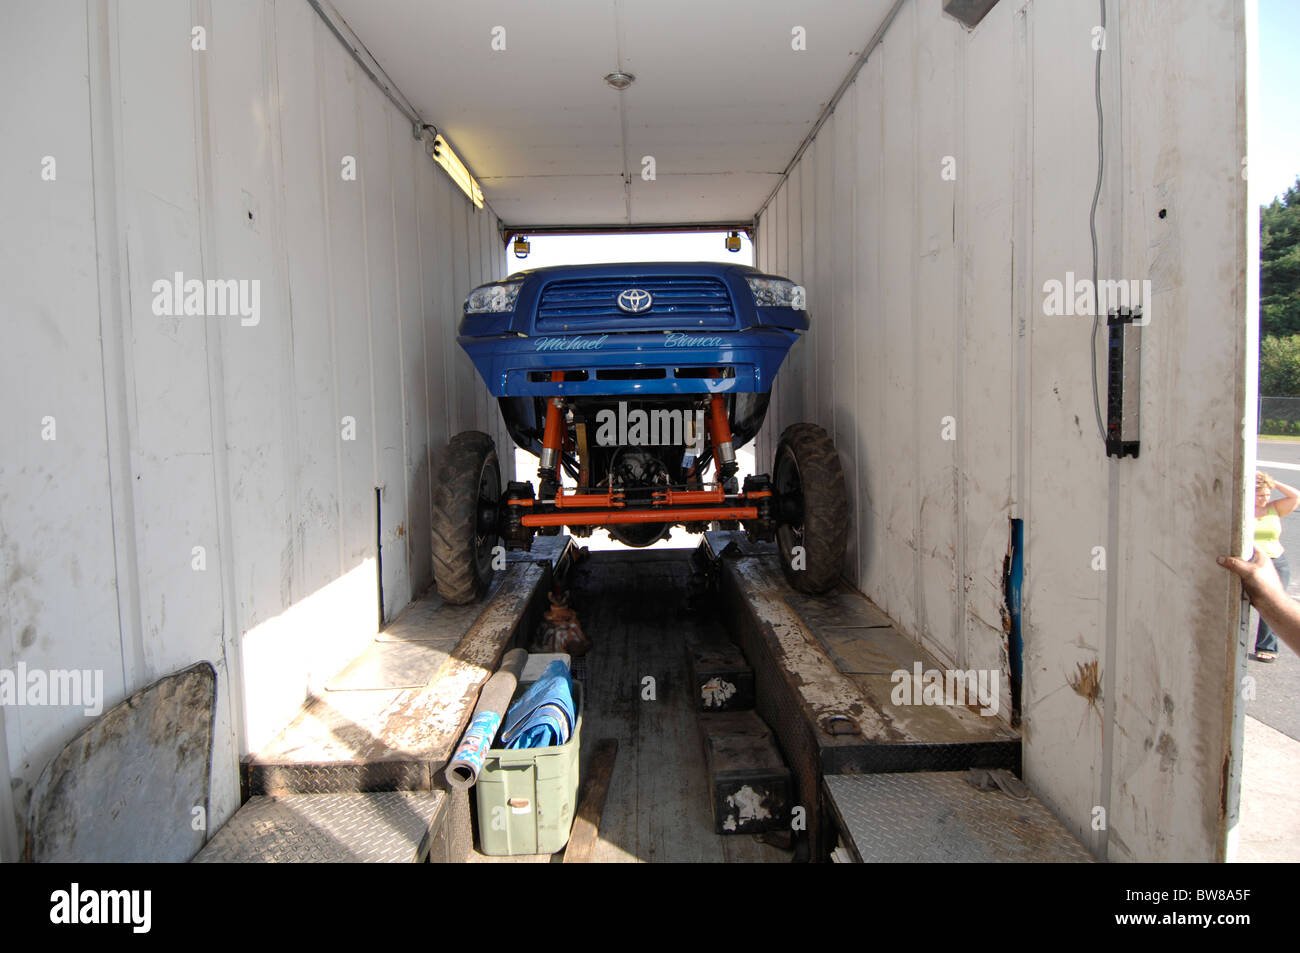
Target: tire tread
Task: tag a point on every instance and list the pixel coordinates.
(826, 517)
(455, 500)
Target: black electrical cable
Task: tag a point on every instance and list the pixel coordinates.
(385, 85)
(1092, 227)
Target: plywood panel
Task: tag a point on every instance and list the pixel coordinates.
(897, 588)
(241, 527)
(406, 205)
(938, 353)
(387, 386)
(53, 533)
(951, 324)
(845, 406)
(870, 318)
(985, 198)
(1183, 226)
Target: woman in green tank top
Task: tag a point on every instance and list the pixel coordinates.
(1268, 540)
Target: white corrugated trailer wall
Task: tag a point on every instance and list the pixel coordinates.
(926, 296)
(183, 432)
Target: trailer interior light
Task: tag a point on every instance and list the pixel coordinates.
(969, 12)
(445, 157)
(619, 80)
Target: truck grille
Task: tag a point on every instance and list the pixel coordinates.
(596, 298)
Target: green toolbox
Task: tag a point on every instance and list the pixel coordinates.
(526, 796)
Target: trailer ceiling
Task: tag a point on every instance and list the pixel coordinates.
(721, 100)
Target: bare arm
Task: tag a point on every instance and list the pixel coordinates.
(1262, 585)
(1290, 499)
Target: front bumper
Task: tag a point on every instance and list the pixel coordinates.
(630, 364)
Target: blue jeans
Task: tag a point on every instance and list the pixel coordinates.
(1265, 640)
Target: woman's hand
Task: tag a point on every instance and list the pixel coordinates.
(1290, 499)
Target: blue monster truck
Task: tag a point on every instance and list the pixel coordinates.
(638, 381)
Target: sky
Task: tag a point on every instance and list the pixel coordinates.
(588, 249)
(1274, 145)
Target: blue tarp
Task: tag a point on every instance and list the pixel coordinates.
(543, 715)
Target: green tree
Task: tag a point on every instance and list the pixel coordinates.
(1279, 268)
(1279, 366)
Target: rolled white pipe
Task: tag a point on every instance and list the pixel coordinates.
(463, 769)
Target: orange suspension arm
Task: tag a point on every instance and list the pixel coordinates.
(612, 517)
(552, 437)
(724, 452)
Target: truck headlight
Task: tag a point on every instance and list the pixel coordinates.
(776, 293)
(493, 299)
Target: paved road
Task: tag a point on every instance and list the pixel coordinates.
(1277, 701)
(1279, 451)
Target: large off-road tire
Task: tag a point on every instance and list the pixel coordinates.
(812, 507)
(465, 523)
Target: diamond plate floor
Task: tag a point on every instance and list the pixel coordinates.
(385, 827)
(937, 817)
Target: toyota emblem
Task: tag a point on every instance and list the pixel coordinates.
(635, 301)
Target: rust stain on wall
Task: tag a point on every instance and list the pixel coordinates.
(1086, 683)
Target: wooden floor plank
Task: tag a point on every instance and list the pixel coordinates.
(676, 820)
(632, 606)
(613, 681)
(586, 826)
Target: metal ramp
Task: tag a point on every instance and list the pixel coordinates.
(939, 817)
(823, 671)
(356, 774)
(379, 827)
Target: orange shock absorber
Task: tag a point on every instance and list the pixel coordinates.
(724, 453)
(552, 437)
